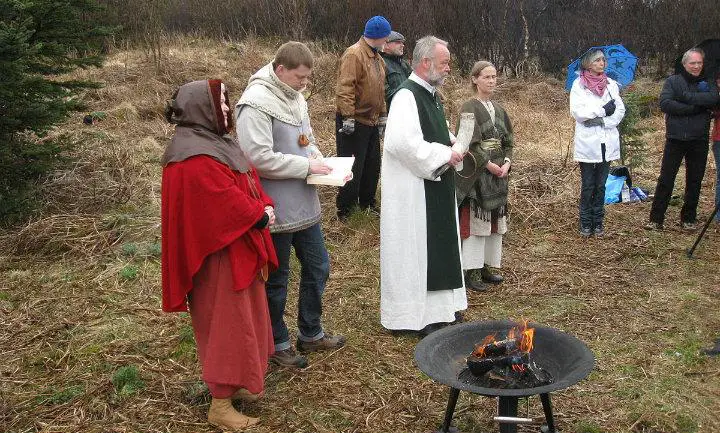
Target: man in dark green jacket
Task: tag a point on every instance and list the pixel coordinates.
(397, 69)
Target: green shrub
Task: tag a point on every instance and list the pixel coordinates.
(587, 427)
(129, 272)
(127, 381)
(154, 249)
(129, 249)
(65, 395)
(633, 149)
(39, 41)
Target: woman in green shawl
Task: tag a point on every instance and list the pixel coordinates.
(482, 186)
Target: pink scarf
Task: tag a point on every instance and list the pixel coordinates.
(595, 83)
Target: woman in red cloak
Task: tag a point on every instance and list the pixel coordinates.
(216, 249)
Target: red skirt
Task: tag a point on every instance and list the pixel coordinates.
(232, 328)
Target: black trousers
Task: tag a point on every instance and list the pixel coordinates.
(364, 145)
(695, 153)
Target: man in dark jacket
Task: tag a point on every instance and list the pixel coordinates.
(397, 69)
(686, 100)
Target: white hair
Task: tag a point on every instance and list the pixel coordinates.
(689, 52)
(425, 49)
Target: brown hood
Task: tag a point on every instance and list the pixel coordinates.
(195, 108)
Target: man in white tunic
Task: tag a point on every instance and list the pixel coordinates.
(421, 281)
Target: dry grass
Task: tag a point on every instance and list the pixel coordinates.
(80, 296)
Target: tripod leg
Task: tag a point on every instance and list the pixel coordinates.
(508, 407)
(452, 401)
(547, 408)
(702, 233)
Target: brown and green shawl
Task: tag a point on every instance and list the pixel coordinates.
(475, 185)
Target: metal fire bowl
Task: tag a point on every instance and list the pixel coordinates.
(441, 355)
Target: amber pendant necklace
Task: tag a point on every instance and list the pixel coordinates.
(303, 140)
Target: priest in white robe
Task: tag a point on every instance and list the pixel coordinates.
(421, 279)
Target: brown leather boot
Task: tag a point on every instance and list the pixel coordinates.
(222, 414)
(246, 396)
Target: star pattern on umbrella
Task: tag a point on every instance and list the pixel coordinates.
(621, 65)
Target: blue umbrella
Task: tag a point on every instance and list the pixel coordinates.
(621, 65)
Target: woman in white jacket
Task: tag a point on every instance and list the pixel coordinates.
(597, 108)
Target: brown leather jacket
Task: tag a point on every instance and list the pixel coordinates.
(360, 91)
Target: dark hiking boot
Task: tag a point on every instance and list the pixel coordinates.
(599, 231)
(473, 281)
(328, 342)
(288, 358)
(459, 318)
(489, 276)
(652, 225)
(429, 329)
(689, 227)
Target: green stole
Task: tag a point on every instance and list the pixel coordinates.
(444, 271)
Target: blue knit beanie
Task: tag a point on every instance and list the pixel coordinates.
(377, 27)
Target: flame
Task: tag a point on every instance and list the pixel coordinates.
(525, 335)
(526, 344)
(480, 348)
(521, 333)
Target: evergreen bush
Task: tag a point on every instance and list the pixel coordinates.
(633, 148)
(39, 41)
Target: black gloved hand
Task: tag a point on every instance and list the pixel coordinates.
(609, 108)
(597, 121)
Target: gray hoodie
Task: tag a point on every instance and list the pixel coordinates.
(270, 118)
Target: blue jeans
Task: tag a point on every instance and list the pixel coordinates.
(716, 153)
(592, 192)
(314, 271)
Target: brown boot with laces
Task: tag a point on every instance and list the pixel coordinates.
(328, 342)
(288, 358)
(223, 415)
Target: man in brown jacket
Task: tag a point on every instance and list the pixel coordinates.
(361, 115)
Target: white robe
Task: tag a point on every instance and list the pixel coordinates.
(405, 302)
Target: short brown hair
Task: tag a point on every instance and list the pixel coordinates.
(292, 55)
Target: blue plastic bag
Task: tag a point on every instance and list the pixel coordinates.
(613, 188)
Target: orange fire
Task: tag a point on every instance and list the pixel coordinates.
(522, 334)
(480, 348)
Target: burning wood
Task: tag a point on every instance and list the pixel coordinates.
(506, 363)
(479, 366)
(496, 348)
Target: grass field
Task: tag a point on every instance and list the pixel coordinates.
(86, 348)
